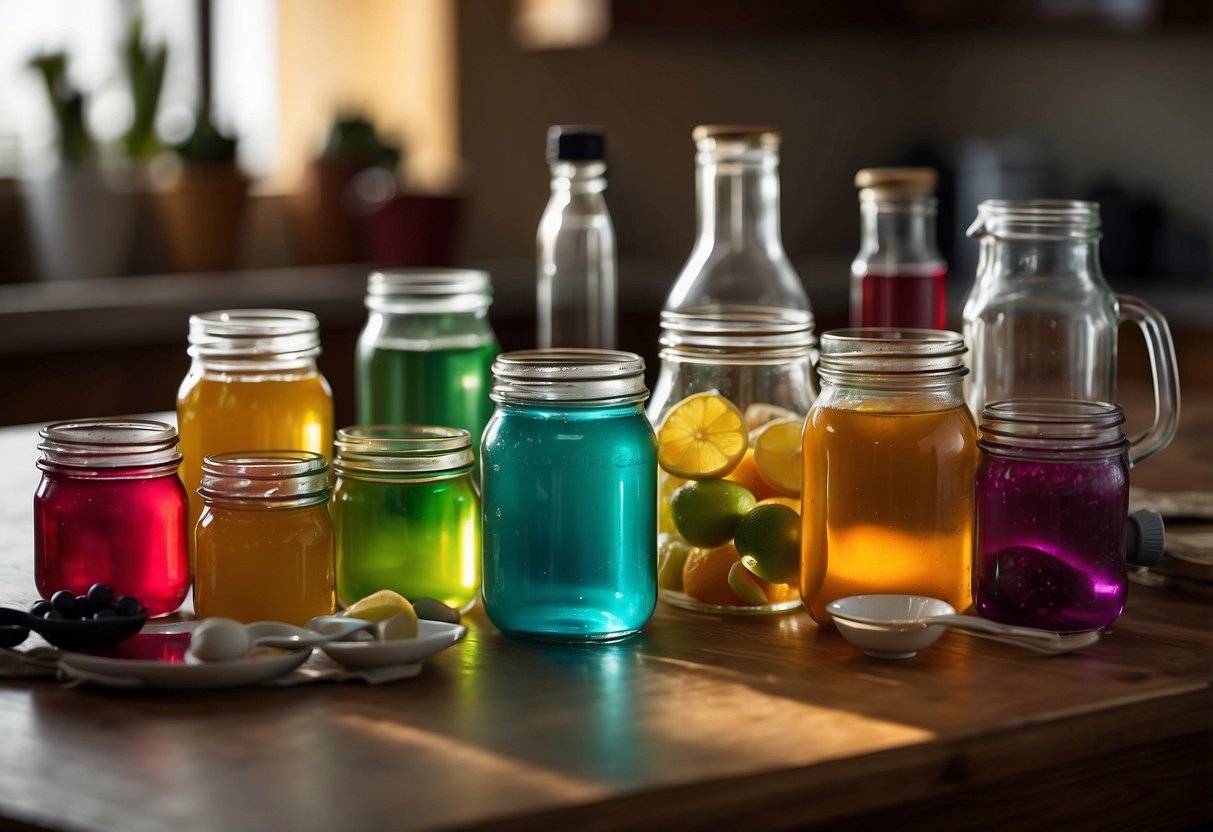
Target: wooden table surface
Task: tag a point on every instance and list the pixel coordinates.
(699, 721)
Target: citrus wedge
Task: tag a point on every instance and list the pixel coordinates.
(379, 606)
(702, 437)
(777, 455)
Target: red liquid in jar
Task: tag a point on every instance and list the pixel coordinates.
(903, 299)
(128, 533)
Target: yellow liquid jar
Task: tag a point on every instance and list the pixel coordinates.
(265, 540)
(253, 384)
(890, 455)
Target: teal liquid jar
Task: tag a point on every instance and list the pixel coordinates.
(426, 353)
(569, 473)
(406, 516)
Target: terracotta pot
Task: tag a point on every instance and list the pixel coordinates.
(200, 209)
(414, 230)
(326, 226)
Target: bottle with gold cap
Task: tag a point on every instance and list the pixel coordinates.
(738, 256)
(898, 278)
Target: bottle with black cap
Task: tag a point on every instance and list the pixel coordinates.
(576, 245)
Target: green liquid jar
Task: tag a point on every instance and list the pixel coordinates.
(406, 516)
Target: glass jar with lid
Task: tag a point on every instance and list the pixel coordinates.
(738, 255)
(425, 355)
(264, 542)
(110, 509)
(253, 383)
(742, 377)
(569, 475)
(406, 516)
(890, 451)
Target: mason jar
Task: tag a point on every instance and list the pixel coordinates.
(426, 352)
(264, 540)
(757, 362)
(1052, 494)
(406, 516)
(569, 472)
(110, 509)
(890, 451)
(253, 383)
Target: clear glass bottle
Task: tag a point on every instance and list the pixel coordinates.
(1052, 496)
(1041, 322)
(405, 514)
(738, 255)
(253, 383)
(425, 355)
(569, 469)
(576, 245)
(110, 509)
(890, 451)
(898, 278)
(759, 359)
(265, 540)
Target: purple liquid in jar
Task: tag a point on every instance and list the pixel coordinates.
(1050, 540)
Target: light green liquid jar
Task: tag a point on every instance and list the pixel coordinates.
(406, 516)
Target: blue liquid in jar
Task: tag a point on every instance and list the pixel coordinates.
(570, 521)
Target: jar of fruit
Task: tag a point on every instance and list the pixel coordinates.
(729, 407)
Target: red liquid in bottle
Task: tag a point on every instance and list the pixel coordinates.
(903, 299)
(128, 533)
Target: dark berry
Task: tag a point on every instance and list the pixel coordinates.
(100, 596)
(127, 605)
(101, 615)
(83, 608)
(53, 615)
(64, 601)
(40, 608)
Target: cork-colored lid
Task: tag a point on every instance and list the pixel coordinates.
(759, 134)
(897, 181)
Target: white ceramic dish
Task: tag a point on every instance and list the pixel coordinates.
(189, 673)
(432, 637)
(888, 626)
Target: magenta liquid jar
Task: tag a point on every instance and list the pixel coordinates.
(1052, 499)
(111, 509)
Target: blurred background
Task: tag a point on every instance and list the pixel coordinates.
(164, 157)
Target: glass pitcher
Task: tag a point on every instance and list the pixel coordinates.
(1041, 322)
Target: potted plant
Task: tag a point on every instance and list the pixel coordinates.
(326, 210)
(200, 194)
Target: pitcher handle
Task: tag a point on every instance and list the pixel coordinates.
(1165, 374)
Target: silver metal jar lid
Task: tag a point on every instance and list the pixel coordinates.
(570, 376)
(387, 450)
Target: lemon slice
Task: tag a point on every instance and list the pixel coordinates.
(702, 437)
(402, 625)
(777, 454)
(760, 414)
(379, 606)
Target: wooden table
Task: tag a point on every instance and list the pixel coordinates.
(700, 721)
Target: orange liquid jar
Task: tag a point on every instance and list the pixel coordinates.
(253, 384)
(265, 540)
(890, 454)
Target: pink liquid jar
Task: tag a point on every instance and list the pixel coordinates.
(111, 509)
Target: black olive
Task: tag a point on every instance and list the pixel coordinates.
(40, 608)
(100, 596)
(64, 602)
(127, 605)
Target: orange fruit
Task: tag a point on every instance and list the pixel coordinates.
(746, 473)
(777, 455)
(702, 437)
(705, 577)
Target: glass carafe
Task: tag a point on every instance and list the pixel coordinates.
(738, 256)
(1041, 322)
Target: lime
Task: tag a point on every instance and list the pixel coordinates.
(672, 553)
(379, 606)
(703, 436)
(768, 539)
(706, 512)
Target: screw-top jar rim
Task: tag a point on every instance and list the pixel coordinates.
(897, 184)
(1028, 427)
(895, 356)
(570, 377)
(385, 451)
(744, 143)
(84, 445)
(265, 334)
(1037, 219)
(429, 290)
(761, 334)
(265, 479)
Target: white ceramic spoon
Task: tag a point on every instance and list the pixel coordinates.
(222, 639)
(898, 626)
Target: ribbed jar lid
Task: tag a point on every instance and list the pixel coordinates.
(428, 290)
(254, 333)
(571, 376)
(404, 450)
(108, 443)
(269, 479)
